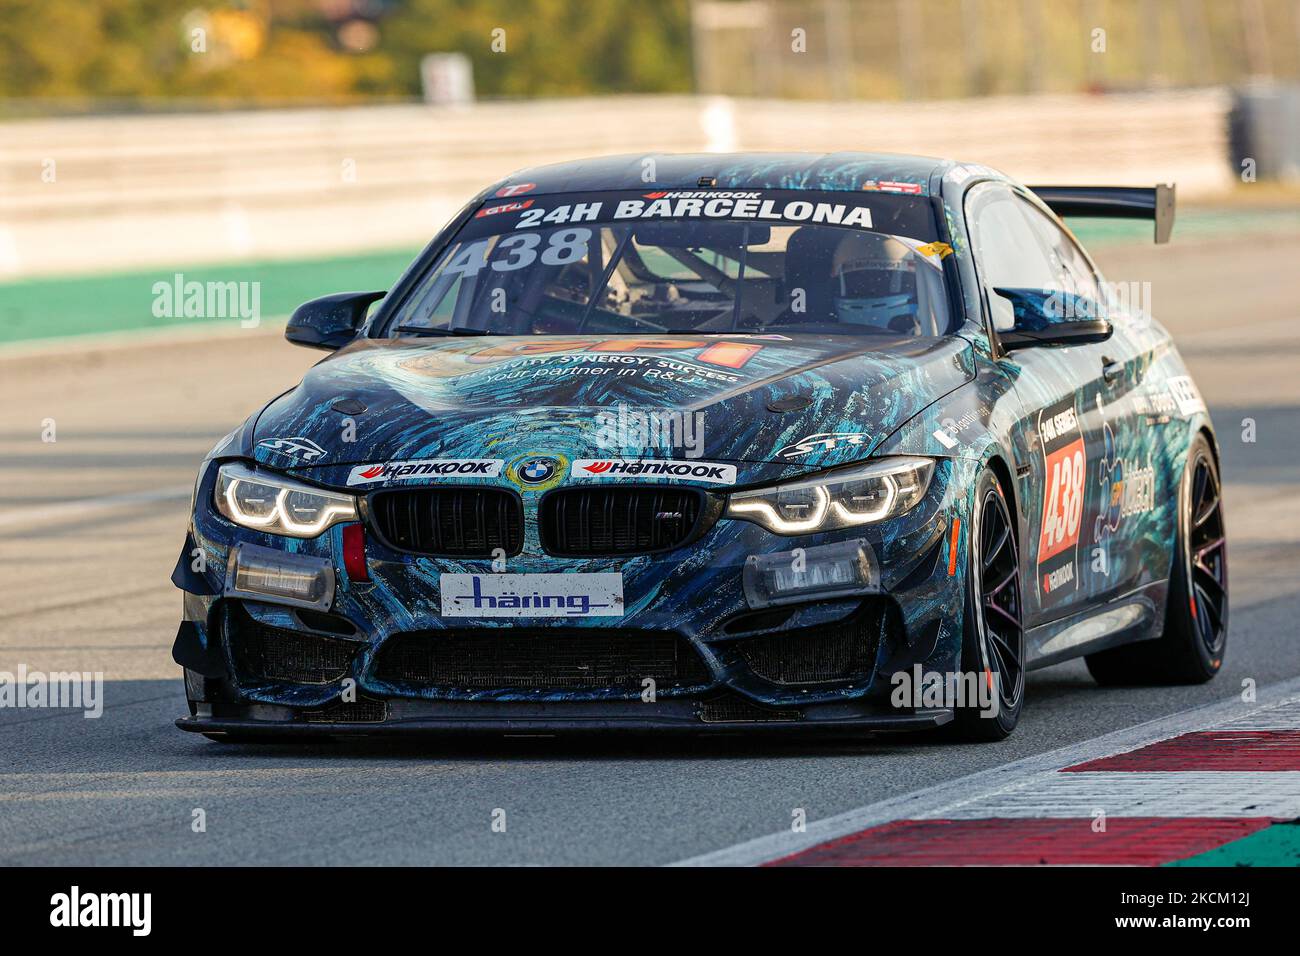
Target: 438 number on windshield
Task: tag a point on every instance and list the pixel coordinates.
(520, 250)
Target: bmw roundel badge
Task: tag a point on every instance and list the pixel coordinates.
(536, 471)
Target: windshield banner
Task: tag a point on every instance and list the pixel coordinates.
(898, 215)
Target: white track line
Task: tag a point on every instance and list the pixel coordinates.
(81, 507)
(1181, 793)
(949, 797)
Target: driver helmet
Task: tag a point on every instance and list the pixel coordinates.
(873, 278)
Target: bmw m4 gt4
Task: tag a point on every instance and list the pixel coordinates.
(796, 442)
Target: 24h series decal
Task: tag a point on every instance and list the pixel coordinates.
(1065, 465)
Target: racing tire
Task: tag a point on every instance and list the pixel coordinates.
(1191, 646)
(993, 642)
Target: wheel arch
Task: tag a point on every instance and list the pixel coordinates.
(997, 464)
(1204, 429)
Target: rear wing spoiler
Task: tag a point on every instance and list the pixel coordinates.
(1113, 202)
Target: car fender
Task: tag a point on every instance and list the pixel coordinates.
(976, 425)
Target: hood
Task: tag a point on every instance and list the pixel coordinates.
(771, 404)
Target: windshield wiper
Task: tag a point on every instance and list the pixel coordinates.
(430, 330)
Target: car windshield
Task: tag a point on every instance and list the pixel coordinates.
(778, 261)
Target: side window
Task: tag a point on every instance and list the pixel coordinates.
(1073, 273)
(1009, 252)
(1017, 246)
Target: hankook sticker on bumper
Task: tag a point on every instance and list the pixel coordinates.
(654, 468)
(426, 468)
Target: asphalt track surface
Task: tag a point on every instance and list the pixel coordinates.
(91, 524)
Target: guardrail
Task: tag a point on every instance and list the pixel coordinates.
(107, 193)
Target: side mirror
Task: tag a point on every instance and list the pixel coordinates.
(331, 321)
(1053, 317)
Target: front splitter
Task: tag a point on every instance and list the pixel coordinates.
(566, 724)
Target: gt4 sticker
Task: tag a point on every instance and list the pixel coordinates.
(503, 207)
(426, 468)
(303, 448)
(532, 595)
(822, 441)
(1065, 465)
(654, 468)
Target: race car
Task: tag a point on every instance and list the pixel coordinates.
(702, 443)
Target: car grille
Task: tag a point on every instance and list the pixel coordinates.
(614, 521)
(731, 708)
(456, 522)
(361, 711)
(264, 652)
(840, 651)
(542, 659)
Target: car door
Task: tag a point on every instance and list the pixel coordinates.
(1069, 407)
(1123, 480)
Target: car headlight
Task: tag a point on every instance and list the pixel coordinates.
(840, 499)
(277, 505)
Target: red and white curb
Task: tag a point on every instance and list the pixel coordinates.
(1165, 790)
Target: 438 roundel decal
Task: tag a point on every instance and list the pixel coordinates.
(1065, 465)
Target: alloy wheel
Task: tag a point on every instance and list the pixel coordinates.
(1208, 594)
(1000, 606)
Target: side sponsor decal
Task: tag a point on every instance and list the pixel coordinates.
(1186, 395)
(948, 435)
(1139, 489)
(1064, 468)
(302, 448)
(654, 468)
(1110, 476)
(1156, 405)
(531, 595)
(822, 441)
(426, 468)
(515, 190)
(1127, 488)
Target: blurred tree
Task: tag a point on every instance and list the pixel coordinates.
(552, 47)
(124, 51)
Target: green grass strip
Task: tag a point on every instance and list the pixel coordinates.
(45, 308)
(1278, 845)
